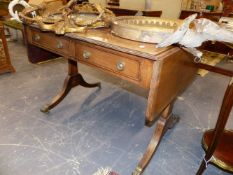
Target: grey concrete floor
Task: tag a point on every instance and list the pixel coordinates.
(95, 128)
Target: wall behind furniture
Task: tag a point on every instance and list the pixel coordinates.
(170, 8)
(133, 4)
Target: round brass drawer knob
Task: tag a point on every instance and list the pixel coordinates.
(120, 66)
(37, 37)
(59, 45)
(86, 54)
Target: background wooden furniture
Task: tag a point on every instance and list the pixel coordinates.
(152, 13)
(128, 12)
(3, 14)
(5, 63)
(3, 9)
(165, 72)
(122, 12)
(228, 7)
(113, 2)
(214, 16)
(218, 143)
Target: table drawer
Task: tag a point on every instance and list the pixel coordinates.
(55, 43)
(109, 61)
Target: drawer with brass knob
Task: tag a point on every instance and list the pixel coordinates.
(52, 42)
(105, 59)
(59, 45)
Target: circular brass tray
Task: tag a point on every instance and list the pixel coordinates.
(144, 29)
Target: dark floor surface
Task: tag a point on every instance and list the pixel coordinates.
(95, 128)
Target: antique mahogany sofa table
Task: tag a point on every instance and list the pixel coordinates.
(165, 72)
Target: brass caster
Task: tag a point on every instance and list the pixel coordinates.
(137, 171)
(45, 109)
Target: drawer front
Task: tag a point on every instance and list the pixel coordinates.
(55, 43)
(105, 59)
